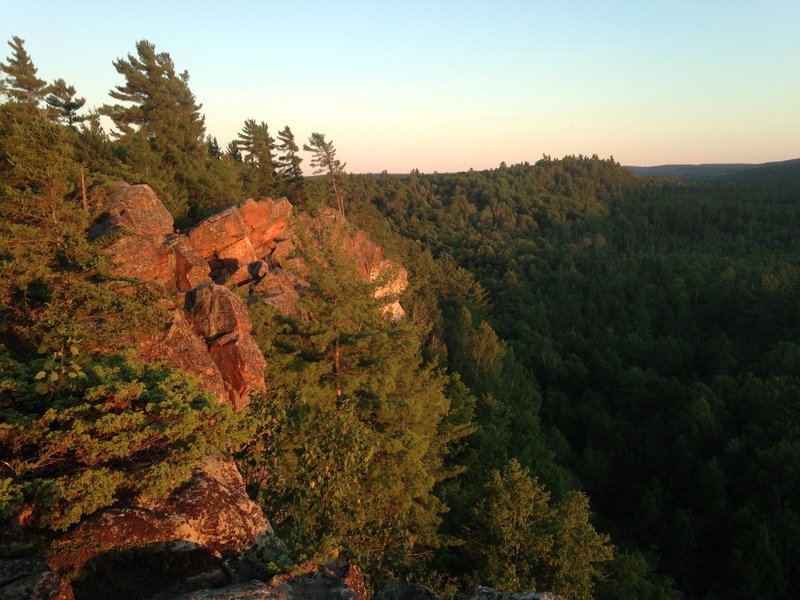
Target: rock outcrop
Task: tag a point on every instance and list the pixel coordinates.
(133, 208)
(208, 539)
(282, 285)
(249, 243)
(232, 240)
(213, 340)
(211, 511)
(207, 534)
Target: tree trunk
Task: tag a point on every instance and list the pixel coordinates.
(84, 201)
(337, 374)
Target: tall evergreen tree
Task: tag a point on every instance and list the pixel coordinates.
(62, 99)
(354, 419)
(257, 145)
(160, 114)
(324, 160)
(21, 82)
(214, 151)
(288, 164)
(232, 150)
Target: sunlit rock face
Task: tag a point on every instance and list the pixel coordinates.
(209, 332)
(249, 246)
(282, 285)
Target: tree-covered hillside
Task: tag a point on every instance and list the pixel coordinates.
(660, 321)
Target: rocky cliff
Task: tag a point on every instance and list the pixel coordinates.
(247, 247)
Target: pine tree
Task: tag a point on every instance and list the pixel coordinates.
(288, 164)
(354, 421)
(324, 160)
(37, 165)
(21, 82)
(61, 98)
(256, 145)
(214, 151)
(232, 150)
(526, 542)
(160, 117)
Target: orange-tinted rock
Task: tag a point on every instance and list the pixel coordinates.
(266, 221)
(144, 257)
(279, 288)
(282, 251)
(238, 236)
(211, 510)
(258, 269)
(170, 261)
(134, 208)
(180, 347)
(217, 232)
(215, 311)
(367, 254)
(394, 280)
(222, 240)
(282, 287)
(190, 268)
(241, 363)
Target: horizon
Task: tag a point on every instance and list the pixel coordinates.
(459, 86)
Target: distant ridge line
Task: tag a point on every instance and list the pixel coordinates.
(704, 172)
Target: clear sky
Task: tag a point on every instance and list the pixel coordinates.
(452, 85)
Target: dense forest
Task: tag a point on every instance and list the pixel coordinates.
(594, 390)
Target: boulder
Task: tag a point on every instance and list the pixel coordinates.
(211, 512)
(282, 250)
(239, 359)
(144, 257)
(265, 221)
(215, 311)
(280, 288)
(218, 231)
(132, 208)
(254, 590)
(309, 581)
(238, 236)
(222, 241)
(213, 344)
(180, 347)
(191, 269)
(313, 581)
(258, 269)
(214, 510)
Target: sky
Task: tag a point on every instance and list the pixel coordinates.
(452, 85)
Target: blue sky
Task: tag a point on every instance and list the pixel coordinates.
(450, 86)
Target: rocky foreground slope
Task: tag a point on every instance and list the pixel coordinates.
(208, 533)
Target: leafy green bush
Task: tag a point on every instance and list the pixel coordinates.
(118, 430)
